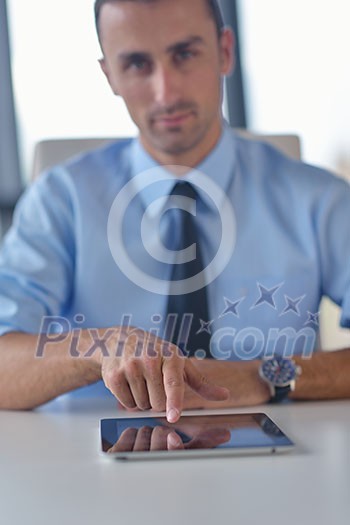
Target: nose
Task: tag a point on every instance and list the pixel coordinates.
(166, 86)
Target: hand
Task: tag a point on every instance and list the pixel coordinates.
(241, 378)
(165, 438)
(148, 372)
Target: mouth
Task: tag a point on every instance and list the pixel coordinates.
(173, 120)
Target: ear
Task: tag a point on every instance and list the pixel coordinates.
(105, 70)
(227, 51)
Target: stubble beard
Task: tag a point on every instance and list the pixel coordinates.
(177, 141)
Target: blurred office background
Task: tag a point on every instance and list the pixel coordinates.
(292, 77)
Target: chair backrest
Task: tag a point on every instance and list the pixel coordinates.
(290, 145)
(47, 153)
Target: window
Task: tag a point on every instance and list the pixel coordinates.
(295, 55)
(59, 89)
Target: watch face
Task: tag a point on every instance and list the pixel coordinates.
(279, 371)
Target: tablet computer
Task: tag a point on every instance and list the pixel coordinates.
(199, 435)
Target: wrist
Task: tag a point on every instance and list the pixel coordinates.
(87, 351)
(262, 386)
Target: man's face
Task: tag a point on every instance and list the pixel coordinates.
(165, 60)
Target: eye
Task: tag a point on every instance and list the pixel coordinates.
(184, 54)
(138, 63)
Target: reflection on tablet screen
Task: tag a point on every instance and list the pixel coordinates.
(191, 432)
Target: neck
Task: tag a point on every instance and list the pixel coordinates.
(187, 159)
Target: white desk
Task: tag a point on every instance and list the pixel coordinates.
(51, 473)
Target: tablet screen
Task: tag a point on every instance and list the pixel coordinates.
(208, 432)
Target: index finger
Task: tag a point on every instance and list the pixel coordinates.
(174, 386)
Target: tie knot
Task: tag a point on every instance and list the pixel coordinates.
(184, 189)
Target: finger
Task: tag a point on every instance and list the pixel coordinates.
(200, 384)
(155, 385)
(143, 439)
(138, 387)
(210, 438)
(120, 389)
(174, 442)
(159, 438)
(174, 386)
(126, 441)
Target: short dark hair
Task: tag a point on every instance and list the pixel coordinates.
(213, 7)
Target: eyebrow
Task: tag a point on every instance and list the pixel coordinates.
(170, 49)
(185, 43)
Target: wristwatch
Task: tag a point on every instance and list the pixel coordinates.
(280, 374)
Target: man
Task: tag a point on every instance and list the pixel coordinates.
(166, 60)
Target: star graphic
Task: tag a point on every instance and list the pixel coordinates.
(292, 305)
(266, 295)
(313, 318)
(205, 326)
(231, 307)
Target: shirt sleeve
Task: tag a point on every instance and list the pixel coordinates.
(333, 233)
(37, 256)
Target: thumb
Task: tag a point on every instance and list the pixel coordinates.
(200, 384)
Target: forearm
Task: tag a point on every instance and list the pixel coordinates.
(27, 381)
(325, 376)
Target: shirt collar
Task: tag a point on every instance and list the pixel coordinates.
(218, 166)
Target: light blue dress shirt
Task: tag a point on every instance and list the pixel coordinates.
(291, 233)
